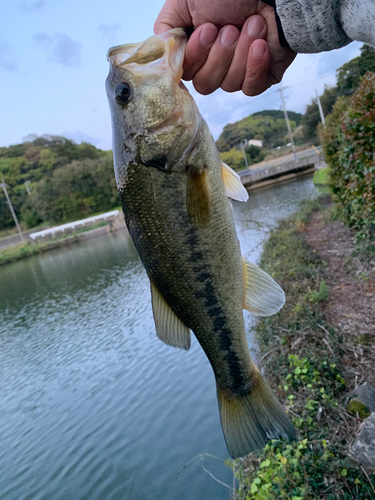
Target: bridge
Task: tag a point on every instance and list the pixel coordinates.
(280, 169)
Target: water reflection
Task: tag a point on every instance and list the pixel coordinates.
(93, 405)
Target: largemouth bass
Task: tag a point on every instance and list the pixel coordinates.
(173, 188)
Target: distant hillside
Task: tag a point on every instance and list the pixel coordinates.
(268, 126)
(277, 113)
(67, 181)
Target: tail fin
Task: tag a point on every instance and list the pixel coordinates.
(251, 420)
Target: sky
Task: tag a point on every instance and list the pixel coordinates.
(53, 67)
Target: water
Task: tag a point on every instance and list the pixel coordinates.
(93, 406)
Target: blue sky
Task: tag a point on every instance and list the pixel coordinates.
(53, 67)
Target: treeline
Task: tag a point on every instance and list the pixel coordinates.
(53, 180)
(348, 140)
(348, 79)
(269, 126)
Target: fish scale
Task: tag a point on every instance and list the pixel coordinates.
(167, 243)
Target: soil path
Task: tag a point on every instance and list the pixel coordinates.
(351, 281)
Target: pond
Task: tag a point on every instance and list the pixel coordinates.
(93, 405)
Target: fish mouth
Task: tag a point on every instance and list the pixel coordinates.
(164, 52)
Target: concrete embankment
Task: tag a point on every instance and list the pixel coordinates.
(27, 249)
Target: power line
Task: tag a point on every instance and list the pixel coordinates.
(288, 124)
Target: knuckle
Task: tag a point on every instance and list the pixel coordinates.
(203, 89)
(229, 86)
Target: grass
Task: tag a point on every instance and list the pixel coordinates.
(28, 249)
(303, 361)
(321, 177)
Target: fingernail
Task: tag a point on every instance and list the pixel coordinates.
(255, 26)
(229, 36)
(258, 49)
(208, 34)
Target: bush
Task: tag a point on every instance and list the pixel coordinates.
(321, 177)
(234, 159)
(348, 141)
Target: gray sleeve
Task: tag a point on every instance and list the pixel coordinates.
(319, 25)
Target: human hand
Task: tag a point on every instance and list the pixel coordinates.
(235, 44)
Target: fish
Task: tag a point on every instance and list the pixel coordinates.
(174, 192)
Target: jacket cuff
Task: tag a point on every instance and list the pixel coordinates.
(312, 26)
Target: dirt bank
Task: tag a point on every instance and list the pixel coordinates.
(313, 353)
(350, 277)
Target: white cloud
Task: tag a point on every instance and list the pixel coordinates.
(30, 7)
(78, 137)
(330, 61)
(7, 61)
(61, 47)
(109, 32)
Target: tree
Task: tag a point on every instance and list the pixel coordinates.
(271, 130)
(350, 73)
(278, 113)
(72, 192)
(37, 161)
(234, 158)
(311, 118)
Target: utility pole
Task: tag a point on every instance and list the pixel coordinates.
(320, 107)
(243, 144)
(287, 123)
(11, 208)
(27, 187)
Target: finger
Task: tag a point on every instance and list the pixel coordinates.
(174, 14)
(255, 27)
(257, 78)
(281, 57)
(212, 73)
(198, 48)
(283, 60)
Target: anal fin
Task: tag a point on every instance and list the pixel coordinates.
(169, 328)
(263, 296)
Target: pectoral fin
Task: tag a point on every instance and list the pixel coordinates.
(169, 328)
(232, 184)
(198, 198)
(263, 296)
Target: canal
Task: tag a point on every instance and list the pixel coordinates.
(92, 405)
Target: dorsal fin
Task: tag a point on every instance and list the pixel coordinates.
(232, 183)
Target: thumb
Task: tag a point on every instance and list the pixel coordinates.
(174, 14)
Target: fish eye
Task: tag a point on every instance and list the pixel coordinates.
(123, 93)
